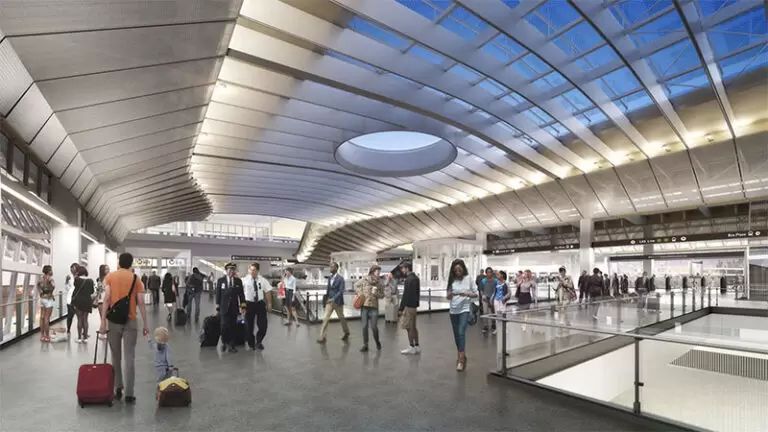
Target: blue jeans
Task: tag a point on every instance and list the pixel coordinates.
(459, 323)
(370, 318)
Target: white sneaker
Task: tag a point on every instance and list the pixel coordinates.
(493, 332)
(417, 350)
(408, 351)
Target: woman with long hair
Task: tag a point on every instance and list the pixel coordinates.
(82, 301)
(371, 289)
(169, 293)
(103, 272)
(461, 291)
(45, 288)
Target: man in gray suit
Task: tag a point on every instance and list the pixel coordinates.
(334, 302)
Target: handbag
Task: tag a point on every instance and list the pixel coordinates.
(281, 290)
(473, 311)
(359, 301)
(119, 311)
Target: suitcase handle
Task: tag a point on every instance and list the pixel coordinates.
(96, 347)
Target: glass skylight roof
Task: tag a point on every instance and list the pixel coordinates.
(464, 23)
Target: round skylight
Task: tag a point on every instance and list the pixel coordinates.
(395, 154)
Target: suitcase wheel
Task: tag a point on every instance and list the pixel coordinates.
(82, 405)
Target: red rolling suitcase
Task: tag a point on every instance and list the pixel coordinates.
(96, 382)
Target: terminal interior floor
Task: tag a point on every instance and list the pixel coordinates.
(296, 384)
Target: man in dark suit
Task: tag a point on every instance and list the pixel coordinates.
(334, 302)
(153, 284)
(641, 284)
(230, 301)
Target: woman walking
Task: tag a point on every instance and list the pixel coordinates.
(82, 302)
(527, 290)
(371, 289)
(169, 294)
(461, 291)
(45, 288)
(103, 272)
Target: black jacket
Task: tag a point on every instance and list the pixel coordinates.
(640, 286)
(81, 297)
(411, 292)
(668, 283)
(195, 282)
(229, 298)
(595, 285)
(625, 284)
(154, 282)
(723, 283)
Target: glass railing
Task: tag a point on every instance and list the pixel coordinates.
(23, 316)
(696, 358)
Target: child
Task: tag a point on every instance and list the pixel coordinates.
(162, 350)
(501, 294)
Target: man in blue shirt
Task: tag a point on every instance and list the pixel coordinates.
(334, 302)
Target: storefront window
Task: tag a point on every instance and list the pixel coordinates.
(3, 153)
(33, 179)
(19, 160)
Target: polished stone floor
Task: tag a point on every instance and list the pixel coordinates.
(296, 384)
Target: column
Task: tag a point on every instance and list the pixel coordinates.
(648, 250)
(97, 255)
(65, 250)
(586, 253)
(110, 259)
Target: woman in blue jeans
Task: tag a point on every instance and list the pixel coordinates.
(371, 288)
(461, 291)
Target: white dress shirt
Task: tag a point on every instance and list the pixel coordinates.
(290, 283)
(255, 288)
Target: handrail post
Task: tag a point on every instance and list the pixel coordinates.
(429, 299)
(709, 298)
(702, 296)
(503, 360)
(693, 301)
(18, 319)
(61, 304)
(684, 297)
(31, 314)
(638, 383)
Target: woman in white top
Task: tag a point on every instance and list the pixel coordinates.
(290, 287)
(527, 290)
(461, 291)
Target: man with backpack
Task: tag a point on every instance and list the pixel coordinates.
(123, 294)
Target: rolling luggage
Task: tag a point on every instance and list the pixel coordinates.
(241, 329)
(96, 382)
(653, 303)
(174, 391)
(211, 331)
(180, 317)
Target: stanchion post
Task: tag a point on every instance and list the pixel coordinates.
(709, 298)
(429, 299)
(671, 304)
(503, 368)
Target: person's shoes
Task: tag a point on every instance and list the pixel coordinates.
(378, 345)
(493, 332)
(287, 323)
(364, 348)
(232, 349)
(485, 330)
(594, 317)
(459, 366)
(345, 337)
(130, 399)
(321, 341)
(417, 349)
(249, 348)
(118, 394)
(169, 317)
(260, 347)
(408, 351)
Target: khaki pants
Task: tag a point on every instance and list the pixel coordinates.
(122, 337)
(329, 309)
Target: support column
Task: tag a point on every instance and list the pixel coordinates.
(65, 250)
(97, 255)
(586, 253)
(110, 259)
(648, 250)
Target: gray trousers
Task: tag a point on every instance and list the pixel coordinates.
(122, 340)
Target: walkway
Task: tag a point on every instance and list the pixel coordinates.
(296, 384)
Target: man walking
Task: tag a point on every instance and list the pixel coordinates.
(230, 300)
(409, 304)
(334, 302)
(583, 295)
(257, 303)
(117, 285)
(595, 290)
(153, 283)
(194, 291)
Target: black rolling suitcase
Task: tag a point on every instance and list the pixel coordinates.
(180, 317)
(211, 331)
(241, 330)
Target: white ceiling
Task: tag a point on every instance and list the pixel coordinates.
(176, 111)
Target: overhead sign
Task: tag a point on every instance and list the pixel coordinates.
(255, 258)
(684, 238)
(509, 251)
(394, 258)
(670, 256)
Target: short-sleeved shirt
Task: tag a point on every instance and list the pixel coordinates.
(255, 289)
(290, 283)
(119, 283)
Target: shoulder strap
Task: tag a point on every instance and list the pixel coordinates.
(133, 284)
